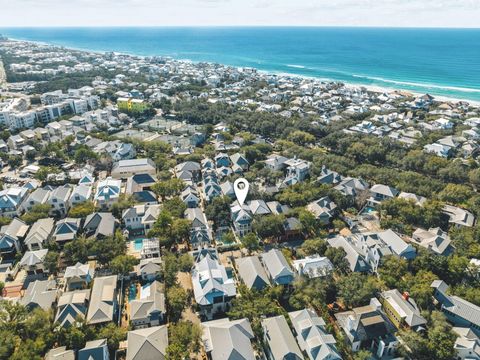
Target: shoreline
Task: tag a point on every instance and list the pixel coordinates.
(369, 87)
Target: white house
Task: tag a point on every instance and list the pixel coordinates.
(59, 200)
(80, 194)
(313, 266)
(212, 288)
(108, 192)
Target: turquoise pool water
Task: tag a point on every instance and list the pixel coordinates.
(138, 244)
(132, 293)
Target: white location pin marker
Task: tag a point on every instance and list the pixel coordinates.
(241, 190)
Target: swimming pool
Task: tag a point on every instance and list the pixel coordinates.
(138, 244)
(369, 209)
(132, 294)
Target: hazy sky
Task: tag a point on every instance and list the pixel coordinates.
(412, 13)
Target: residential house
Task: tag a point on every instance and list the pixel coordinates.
(276, 208)
(276, 162)
(80, 194)
(15, 142)
(10, 201)
(41, 294)
(458, 311)
(132, 217)
(440, 150)
(100, 225)
(59, 200)
(226, 339)
(278, 269)
(32, 262)
(148, 269)
(443, 124)
(459, 217)
(297, 171)
(417, 199)
(313, 266)
(108, 193)
(123, 169)
(258, 207)
(292, 229)
(147, 344)
(71, 306)
(328, 176)
(367, 327)
(467, 345)
(95, 349)
(139, 182)
(189, 170)
(60, 353)
(222, 160)
(38, 196)
(150, 217)
(252, 273)
(149, 309)
(200, 232)
(86, 180)
(125, 151)
(190, 197)
(354, 255)
(281, 344)
(242, 219)
(312, 335)
(402, 310)
(211, 187)
(375, 246)
(66, 230)
(11, 236)
(103, 301)
(227, 189)
(433, 239)
(381, 193)
(145, 197)
(78, 276)
(212, 287)
(323, 209)
(39, 234)
(240, 161)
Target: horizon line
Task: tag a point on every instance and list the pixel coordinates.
(236, 26)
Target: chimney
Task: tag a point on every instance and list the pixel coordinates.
(406, 295)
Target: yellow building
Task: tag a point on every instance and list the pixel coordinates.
(402, 310)
(131, 105)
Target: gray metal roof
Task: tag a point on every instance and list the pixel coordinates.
(155, 301)
(147, 344)
(60, 353)
(41, 293)
(102, 222)
(354, 255)
(312, 336)
(407, 309)
(458, 306)
(102, 300)
(228, 340)
(280, 339)
(276, 264)
(251, 271)
(40, 231)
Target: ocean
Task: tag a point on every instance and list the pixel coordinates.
(442, 62)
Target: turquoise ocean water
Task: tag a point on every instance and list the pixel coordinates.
(444, 62)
